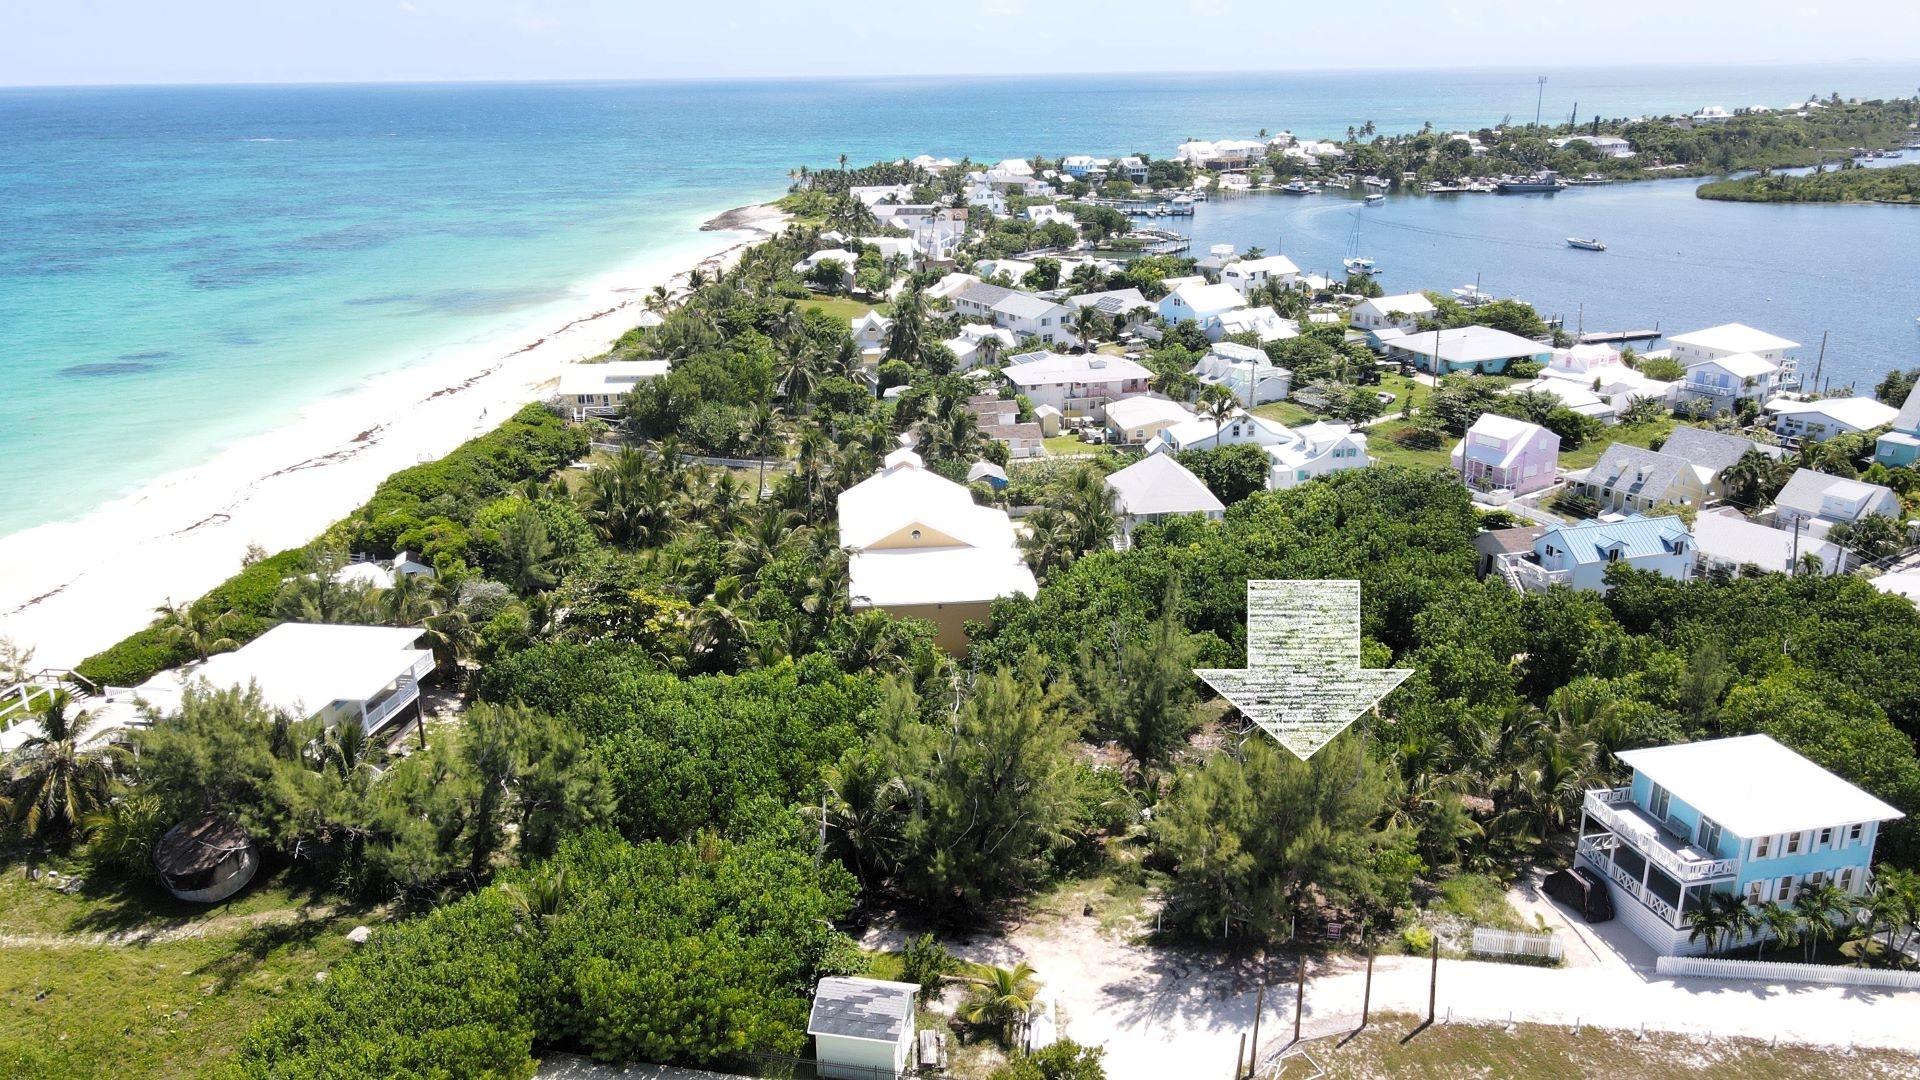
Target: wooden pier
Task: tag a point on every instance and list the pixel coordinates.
(1617, 337)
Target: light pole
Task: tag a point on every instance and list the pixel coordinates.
(1539, 100)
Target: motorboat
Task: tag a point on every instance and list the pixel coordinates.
(1375, 199)
(1585, 244)
(1376, 181)
(1360, 264)
(1297, 187)
(1527, 185)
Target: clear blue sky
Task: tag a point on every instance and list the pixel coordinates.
(219, 41)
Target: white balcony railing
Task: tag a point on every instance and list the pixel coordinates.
(1609, 806)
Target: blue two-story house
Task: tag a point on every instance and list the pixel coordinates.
(1745, 816)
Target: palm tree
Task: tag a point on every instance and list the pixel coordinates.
(1894, 900)
(1781, 922)
(57, 778)
(543, 895)
(1218, 404)
(1816, 906)
(718, 625)
(1750, 481)
(188, 624)
(796, 376)
(763, 436)
(409, 602)
(345, 749)
(863, 806)
(1089, 324)
(1709, 920)
(530, 556)
(1002, 998)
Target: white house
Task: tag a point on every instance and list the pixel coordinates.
(1076, 385)
(1023, 313)
(1818, 421)
(1725, 381)
(922, 548)
(1127, 305)
(1578, 555)
(1200, 302)
(1817, 502)
(1204, 434)
(839, 256)
(1478, 349)
(1252, 376)
(1317, 450)
(1042, 213)
(1729, 339)
(1612, 146)
(870, 334)
(863, 1029)
(364, 674)
(970, 345)
(950, 286)
(1138, 420)
(872, 195)
(1014, 270)
(1245, 275)
(1726, 540)
(1572, 396)
(1600, 370)
(1402, 311)
(597, 389)
(1155, 488)
(1264, 323)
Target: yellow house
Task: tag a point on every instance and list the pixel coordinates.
(922, 549)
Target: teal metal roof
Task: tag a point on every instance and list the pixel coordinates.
(1634, 537)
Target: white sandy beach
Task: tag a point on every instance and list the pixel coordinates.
(71, 588)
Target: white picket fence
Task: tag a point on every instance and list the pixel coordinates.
(1490, 942)
(1769, 971)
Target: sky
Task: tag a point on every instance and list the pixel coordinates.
(77, 42)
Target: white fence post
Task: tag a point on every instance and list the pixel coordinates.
(1491, 942)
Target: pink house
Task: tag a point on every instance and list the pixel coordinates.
(1508, 455)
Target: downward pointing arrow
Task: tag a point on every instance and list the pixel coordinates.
(1303, 683)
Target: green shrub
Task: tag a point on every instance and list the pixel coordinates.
(925, 961)
(1417, 940)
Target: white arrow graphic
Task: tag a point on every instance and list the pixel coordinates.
(1303, 683)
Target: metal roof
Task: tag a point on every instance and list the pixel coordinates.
(1753, 786)
(869, 1009)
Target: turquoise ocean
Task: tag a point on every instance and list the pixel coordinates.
(183, 267)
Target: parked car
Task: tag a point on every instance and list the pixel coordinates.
(1583, 891)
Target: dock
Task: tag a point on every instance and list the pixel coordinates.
(1617, 337)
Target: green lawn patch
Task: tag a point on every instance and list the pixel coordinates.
(1384, 451)
(842, 307)
(1289, 413)
(1069, 444)
(1631, 434)
(1481, 900)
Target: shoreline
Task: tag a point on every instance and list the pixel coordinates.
(71, 588)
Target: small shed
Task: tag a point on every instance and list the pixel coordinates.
(862, 1028)
(205, 859)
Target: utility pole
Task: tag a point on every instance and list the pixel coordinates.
(1822, 361)
(1366, 995)
(1433, 983)
(1539, 100)
(1299, 994)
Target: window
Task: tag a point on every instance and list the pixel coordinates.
(1756, 893)
(1793, 843)
(1661, 798)
(1846, 880)
(1709, 834)
(1854, 833)
(1763, 847)
(1826, 839)
(1783, 889)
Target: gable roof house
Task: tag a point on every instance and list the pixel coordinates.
(870, 335)
(1252, 376)
(1264, 323)
(1578, 555)
(1817, 502)
(863, 1029)
(923, 549)
(597, 389)
(1317, 449)
(969, 346)
(1633, 478)
(1203, 434)
(1137, 420)
(1818, 421)
(1901, 446)
(1202, 303)
(1023, 313)
(1732, 362)
(1079, 385)
(1599, 370)
(1000, 421)
(1506, 456)
(1479, 349)
(1245, 275)
(1401, 311)
(1155, 488)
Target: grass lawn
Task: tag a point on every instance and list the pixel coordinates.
(1070, 444)
(841, 307)
(175, 1006)
(1539, 1052)
(1400, 386)
(1384, 451)
(1287, 412)
(1631, 434)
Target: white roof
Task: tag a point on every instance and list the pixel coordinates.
(1157, 484)
(1513, 435)
(1733, 337)
(896, 577)
(1412, 303)
(1903, 583)
(1274, 265)
(1263, 321)
(1207, 299)
(1143, 409)
(1572, 393)
(1468, 344)
(1859, 413)
(370, 574)
(1050, 368)
(1202, 431)
(616, 376)
(905, 494)
(1726, 536)
(1753, 786)
(1743, 365)
(302, 667)
(840, 255)
(1909, 418)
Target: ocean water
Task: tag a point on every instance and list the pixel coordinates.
(181, 267)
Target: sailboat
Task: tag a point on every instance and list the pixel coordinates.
(1356, 263)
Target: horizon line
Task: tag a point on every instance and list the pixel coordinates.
(584, 80)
